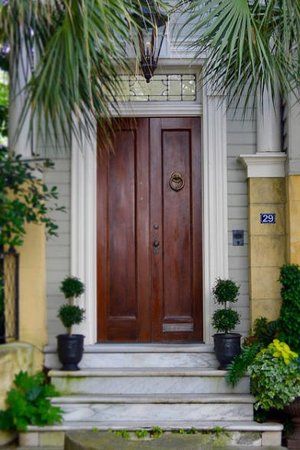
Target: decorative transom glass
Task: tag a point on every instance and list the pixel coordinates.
(168, 87)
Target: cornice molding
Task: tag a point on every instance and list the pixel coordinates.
(264, 165)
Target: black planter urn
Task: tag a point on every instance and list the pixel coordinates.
(70, 350)
(227, 347)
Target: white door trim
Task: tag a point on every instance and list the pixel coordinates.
(215, 222)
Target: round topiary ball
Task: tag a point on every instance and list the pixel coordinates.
(226, 291)
(72, 287)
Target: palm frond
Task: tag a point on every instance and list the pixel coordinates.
(250, 45)
(69, 54)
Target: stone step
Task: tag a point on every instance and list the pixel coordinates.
(146, 381)
(140, 355)
(241, 434)
(156, 407)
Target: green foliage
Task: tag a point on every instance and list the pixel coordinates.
(226, 291)
(264, 331)
(251, 45)
(70, 315)
(239, 366)
(156, 432)
(4, 98)
(72, 287)
(225, 320)
(28, 403)
(275, 377)
(122, 433)
(24, 198)
(82, 48)
(289, 320)
(263, 334)
(141, 434)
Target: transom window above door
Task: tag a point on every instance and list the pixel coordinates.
(162, 87)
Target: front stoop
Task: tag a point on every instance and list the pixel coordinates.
(130, 387)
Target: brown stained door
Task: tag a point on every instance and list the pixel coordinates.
(149, 233)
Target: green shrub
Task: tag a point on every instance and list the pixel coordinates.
(289, 320)
(72, 287)
(28, 403)
(225, 320)
(275, 376)
(70, 315)
(226, 291)
(263, 334)
(264, 331)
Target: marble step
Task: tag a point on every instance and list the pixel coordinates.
(146, 381)
(241, 434)
(140, 355)
(156, 407)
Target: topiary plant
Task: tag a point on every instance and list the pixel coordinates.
(70, 314)
(226, 291)
(289, 319)
(72, 287)
(225, 320)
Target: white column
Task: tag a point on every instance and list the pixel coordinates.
(215, 214)
(293, 134)
(83, 231)
(268, 123)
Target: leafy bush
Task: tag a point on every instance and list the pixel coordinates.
(263, 334)
(24, 199)
(29, 404)
(225, 320)
(275, 376)
(70, 315)
(72, 287)
(264, 331)
(239, 366)
(289, 320)
(226, 291)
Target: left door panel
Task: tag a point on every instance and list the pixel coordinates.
(123, 230)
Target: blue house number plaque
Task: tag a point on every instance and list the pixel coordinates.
(267, 218)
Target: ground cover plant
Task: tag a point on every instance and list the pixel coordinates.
(28, 403)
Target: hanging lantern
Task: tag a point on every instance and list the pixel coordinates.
(151, 36)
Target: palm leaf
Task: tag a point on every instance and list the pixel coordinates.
(77, 49)
(250, 45)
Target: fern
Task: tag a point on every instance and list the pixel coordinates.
(238, 368)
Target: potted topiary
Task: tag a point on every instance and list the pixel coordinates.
(227, 345)
(70, 346)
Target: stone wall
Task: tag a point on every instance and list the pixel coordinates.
(267, 252)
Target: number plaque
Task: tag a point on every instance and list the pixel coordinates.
(267, 218)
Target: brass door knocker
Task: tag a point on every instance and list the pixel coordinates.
(176, 181)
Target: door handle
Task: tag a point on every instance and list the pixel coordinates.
(156, 246)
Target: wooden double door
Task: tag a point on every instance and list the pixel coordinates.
(149, 232)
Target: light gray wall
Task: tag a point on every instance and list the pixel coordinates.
(241, 139)
(58, 248)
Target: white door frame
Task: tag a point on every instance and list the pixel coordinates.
(215, 219)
